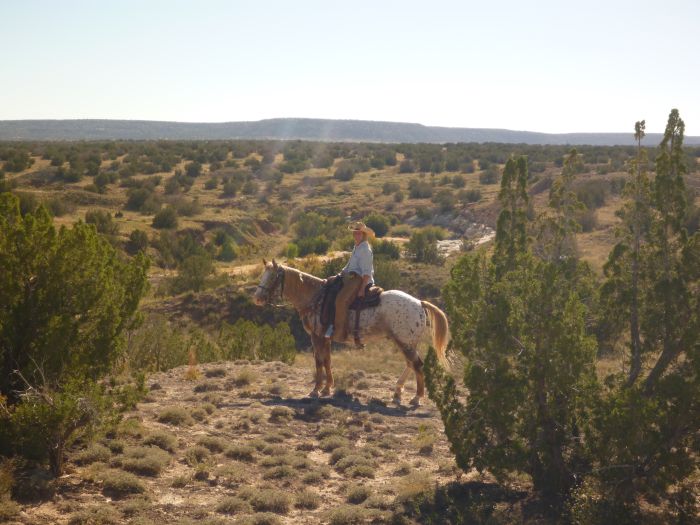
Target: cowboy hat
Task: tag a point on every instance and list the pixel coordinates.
(361, 227)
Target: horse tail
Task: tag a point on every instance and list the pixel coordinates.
(441, 331)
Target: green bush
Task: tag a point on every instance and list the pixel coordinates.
(138, 242)
(67, 300)
(246, 340)
(118, 484)
(379, 223)
(103, 222)
(422, 247)
(165, 218)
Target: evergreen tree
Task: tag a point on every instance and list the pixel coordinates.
(648, 425)
(65, 300)
(521, 324)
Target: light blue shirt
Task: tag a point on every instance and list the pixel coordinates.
(361, 261)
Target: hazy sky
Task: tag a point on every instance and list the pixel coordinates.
(551, 66)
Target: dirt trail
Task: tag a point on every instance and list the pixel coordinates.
(263, 433)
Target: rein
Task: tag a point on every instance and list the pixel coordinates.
(270, 290)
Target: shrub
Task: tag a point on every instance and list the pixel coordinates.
(422, 247)
(345, 171)
(93, 453)
(163, 440)
(46, 422)
(196, 455)
(347, 515)
(406, 166)
(118, 484)
(175, 416)
(270, 500)
(280, 472)
(192, 273)
(213, 444)
(379, 223)
(97, 515)
(390, 187)
(74, 314)
(281, 415)
(145, 461)
(490, 176)
(232, 505)
(330, 443)
(138, 242)
(165, 218)
(588, 219)
(469, 195)
(260, 518)
(103, 222)
(306, 499)
(312, 478)
(241, 453)
(419, 189)
(358, 493)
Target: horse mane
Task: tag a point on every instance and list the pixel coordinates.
(303, 275)
(300, 287)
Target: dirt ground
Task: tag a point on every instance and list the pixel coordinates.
(344, 459)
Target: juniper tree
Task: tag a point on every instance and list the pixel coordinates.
(557, 227)
(649, 424)
(521, 324)
(66, 298)
(622, 288)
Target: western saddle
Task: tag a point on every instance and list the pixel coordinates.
(329, 293)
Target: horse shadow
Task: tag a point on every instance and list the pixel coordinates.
(306, 407)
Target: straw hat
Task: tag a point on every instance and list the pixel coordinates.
(361, 227)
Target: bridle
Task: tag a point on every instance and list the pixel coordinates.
(269, 290)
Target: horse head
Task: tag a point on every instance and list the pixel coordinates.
(271, 283)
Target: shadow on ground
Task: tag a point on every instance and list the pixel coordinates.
(306, 407)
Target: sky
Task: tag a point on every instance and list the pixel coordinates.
(548, 66)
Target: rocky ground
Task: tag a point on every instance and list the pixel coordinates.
(241, 443)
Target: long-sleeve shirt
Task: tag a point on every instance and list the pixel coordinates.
(361, 261)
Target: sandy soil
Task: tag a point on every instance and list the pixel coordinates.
(273, 415)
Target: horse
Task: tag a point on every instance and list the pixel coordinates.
(399, 317)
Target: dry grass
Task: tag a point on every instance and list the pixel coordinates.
(196, 456)
(213, 444)
(118, 484)
(233, 505)
(98, 515)
(175, 416)
(162, 440)
(357, 494)
(145, 461)
(93, 453)
(267, 500)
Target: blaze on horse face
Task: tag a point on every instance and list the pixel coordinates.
(266, 281)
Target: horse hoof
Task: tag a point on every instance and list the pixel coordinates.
(326, 392)
(313, 394)
(396, 399)
(416, 401)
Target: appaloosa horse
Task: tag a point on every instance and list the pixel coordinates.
(399, 317)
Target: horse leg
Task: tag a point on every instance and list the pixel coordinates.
(317, 344)
(327, 364)
(417, 364)
(401, 381)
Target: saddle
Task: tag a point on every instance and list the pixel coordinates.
(329, 293)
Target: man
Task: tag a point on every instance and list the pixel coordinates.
(357, 274)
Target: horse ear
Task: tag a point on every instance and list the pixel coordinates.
(264, 262)
(274, 263)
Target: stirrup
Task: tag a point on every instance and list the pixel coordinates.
(329, 332)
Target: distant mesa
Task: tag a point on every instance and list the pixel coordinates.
(301, 129)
